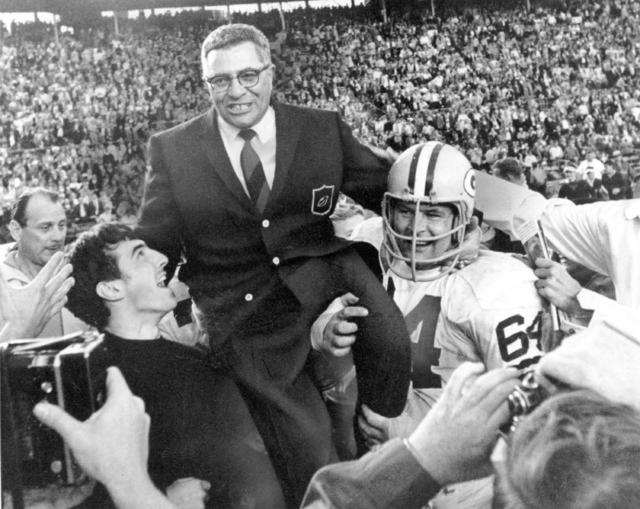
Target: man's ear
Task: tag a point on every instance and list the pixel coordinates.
(15, 229)
(110, 290)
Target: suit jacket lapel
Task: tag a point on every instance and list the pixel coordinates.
(213, 147)
(287, 135)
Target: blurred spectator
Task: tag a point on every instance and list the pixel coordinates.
(575, 188)
(582, 451)
(509, 169)
(591, 165)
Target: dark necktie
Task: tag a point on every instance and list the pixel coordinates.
(253, 171)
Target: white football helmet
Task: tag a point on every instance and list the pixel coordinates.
(430, 173)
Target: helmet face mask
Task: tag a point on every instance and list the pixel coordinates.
(425, 211)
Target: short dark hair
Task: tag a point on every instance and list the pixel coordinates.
(92, 263)
(577, 450)
(19, 206)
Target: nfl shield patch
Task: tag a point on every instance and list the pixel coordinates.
(322, 200)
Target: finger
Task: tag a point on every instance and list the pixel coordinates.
(373, 418)
(473, 224)
(57, 419)
(542, 273)
(139, 403)
(205, 485)
(349, 299)
(561, 367)
(117, 388)
(369, 431)
(354, 311)
(495, 403)
(50, 268)
(340, 341)
(486, 383)
(541, 283)
(372, 443)
(543, 263)
(59, 279)
(340, 352)
(63, 289)
(55, 307)
(344, 328)
(460, 376)
(552, 296)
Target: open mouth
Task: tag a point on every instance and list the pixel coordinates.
(161, 283)
(419, 243)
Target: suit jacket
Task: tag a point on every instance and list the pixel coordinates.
(195, 206)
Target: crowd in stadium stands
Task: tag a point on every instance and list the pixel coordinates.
(546, 87)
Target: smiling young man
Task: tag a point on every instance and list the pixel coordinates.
(202, 437)
(244, 194)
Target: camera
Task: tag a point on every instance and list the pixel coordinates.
(70, 372)
(525, 398)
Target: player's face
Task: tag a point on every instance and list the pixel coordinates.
(240, 106)
(142, 271)
(427, 221)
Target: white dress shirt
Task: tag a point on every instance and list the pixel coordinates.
(264, 143)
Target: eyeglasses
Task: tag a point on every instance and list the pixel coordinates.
(247, 78)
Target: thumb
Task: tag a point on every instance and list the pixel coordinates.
(474, 223)
(57, 419)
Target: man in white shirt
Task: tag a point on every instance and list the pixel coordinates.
(39, 227)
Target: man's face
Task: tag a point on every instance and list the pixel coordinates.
(142, 272)
(240, 106)
(431, 221)
(44, 232)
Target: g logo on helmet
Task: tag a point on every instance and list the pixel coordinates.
(469, 184)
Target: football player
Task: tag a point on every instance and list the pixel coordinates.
(488, 311)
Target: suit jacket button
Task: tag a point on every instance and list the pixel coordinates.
(276, 260)
(248, 297)
(265, 223)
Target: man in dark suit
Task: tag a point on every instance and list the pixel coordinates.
(244, 193)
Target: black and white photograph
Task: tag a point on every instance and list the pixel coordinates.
(320, 254)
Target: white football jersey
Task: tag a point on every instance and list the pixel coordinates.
(492, 313)
(488, 312)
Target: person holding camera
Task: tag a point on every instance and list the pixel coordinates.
(112, 447)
